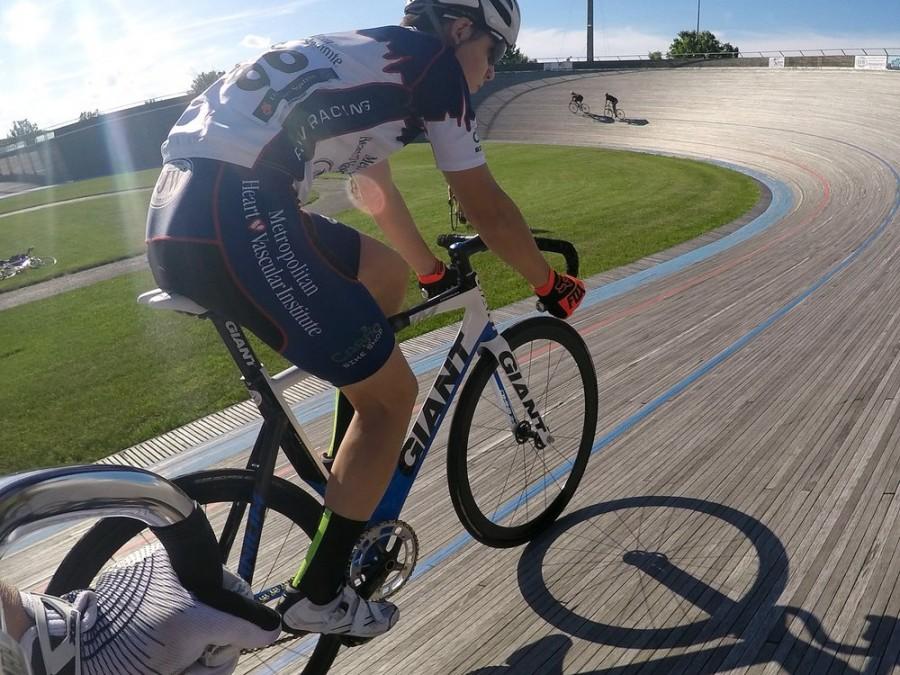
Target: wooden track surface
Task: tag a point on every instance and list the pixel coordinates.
(741, 512)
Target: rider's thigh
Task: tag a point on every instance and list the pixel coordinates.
(384, 273)
(388, 394)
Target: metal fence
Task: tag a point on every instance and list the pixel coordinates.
(857, 51)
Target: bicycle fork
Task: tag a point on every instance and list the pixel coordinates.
(508, 378)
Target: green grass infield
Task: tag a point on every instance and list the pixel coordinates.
(89, 372)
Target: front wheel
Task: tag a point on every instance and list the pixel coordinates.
(291, 519)
(573, 108)
(505, 489)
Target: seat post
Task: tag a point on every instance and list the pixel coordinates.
(241, 351)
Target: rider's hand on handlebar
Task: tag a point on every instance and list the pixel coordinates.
(439, 280)
(561, 295)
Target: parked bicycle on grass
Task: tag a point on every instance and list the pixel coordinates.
(9, 267)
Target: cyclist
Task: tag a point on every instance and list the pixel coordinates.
(614, 102)
(138, 620)
(224, 229)
(577, 98)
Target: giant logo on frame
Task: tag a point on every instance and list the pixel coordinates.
(174, 177)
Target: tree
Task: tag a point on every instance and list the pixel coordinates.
(655, 56)
(513, 56)
(88, 115)
(690, 42)
(203, 80)
(24, 129)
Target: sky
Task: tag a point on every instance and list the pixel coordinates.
(62, 57)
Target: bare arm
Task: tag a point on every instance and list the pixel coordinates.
(499, 222)
(381, 198)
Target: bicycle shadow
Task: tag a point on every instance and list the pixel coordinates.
(547, 654)
(660, 574)
(607, 119)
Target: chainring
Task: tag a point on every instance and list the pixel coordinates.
(383, 559)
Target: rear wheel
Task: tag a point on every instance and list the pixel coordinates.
(292, 517)
(505, 488)
(41, 262)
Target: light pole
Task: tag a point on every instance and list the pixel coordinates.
(590, 30)
(698, 19)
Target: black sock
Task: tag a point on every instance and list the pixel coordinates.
(323, 572)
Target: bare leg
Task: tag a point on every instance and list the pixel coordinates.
(383, 403)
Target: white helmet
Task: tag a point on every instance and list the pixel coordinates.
(501, 18)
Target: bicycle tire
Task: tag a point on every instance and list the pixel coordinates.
(573, 107)
(41, 262)
(620, 114)
(585, 109)
(98, 546)
(475, 467)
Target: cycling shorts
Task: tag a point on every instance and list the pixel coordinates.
(235, 241)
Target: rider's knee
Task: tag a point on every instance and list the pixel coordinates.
(389, 397)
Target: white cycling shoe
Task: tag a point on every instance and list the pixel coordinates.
(348, 614)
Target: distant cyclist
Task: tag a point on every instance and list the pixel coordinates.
(138, 620)
(224, 229)
(613, 102)
(577, 98)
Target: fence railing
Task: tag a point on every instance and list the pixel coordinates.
(853, 51)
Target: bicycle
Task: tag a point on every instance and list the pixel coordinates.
(20, 262)
(458, 220)
(512, 412)
(613, 112)
(579, 107)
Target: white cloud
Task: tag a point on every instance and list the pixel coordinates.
(24, 25)
(552, 43)
(256, 42)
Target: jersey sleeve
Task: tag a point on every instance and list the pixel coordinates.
(443, 102)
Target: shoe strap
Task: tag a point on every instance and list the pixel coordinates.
(56, 647)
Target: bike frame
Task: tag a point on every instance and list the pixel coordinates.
(476, 335)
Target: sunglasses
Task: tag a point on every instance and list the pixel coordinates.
(498, 50)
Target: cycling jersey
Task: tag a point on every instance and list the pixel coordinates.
(339, 102)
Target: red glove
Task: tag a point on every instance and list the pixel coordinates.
(438, 281)
(561, 294)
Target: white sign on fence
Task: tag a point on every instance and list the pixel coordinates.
(776, 62)
(558, 65)
(871, 62)
(893, 63)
